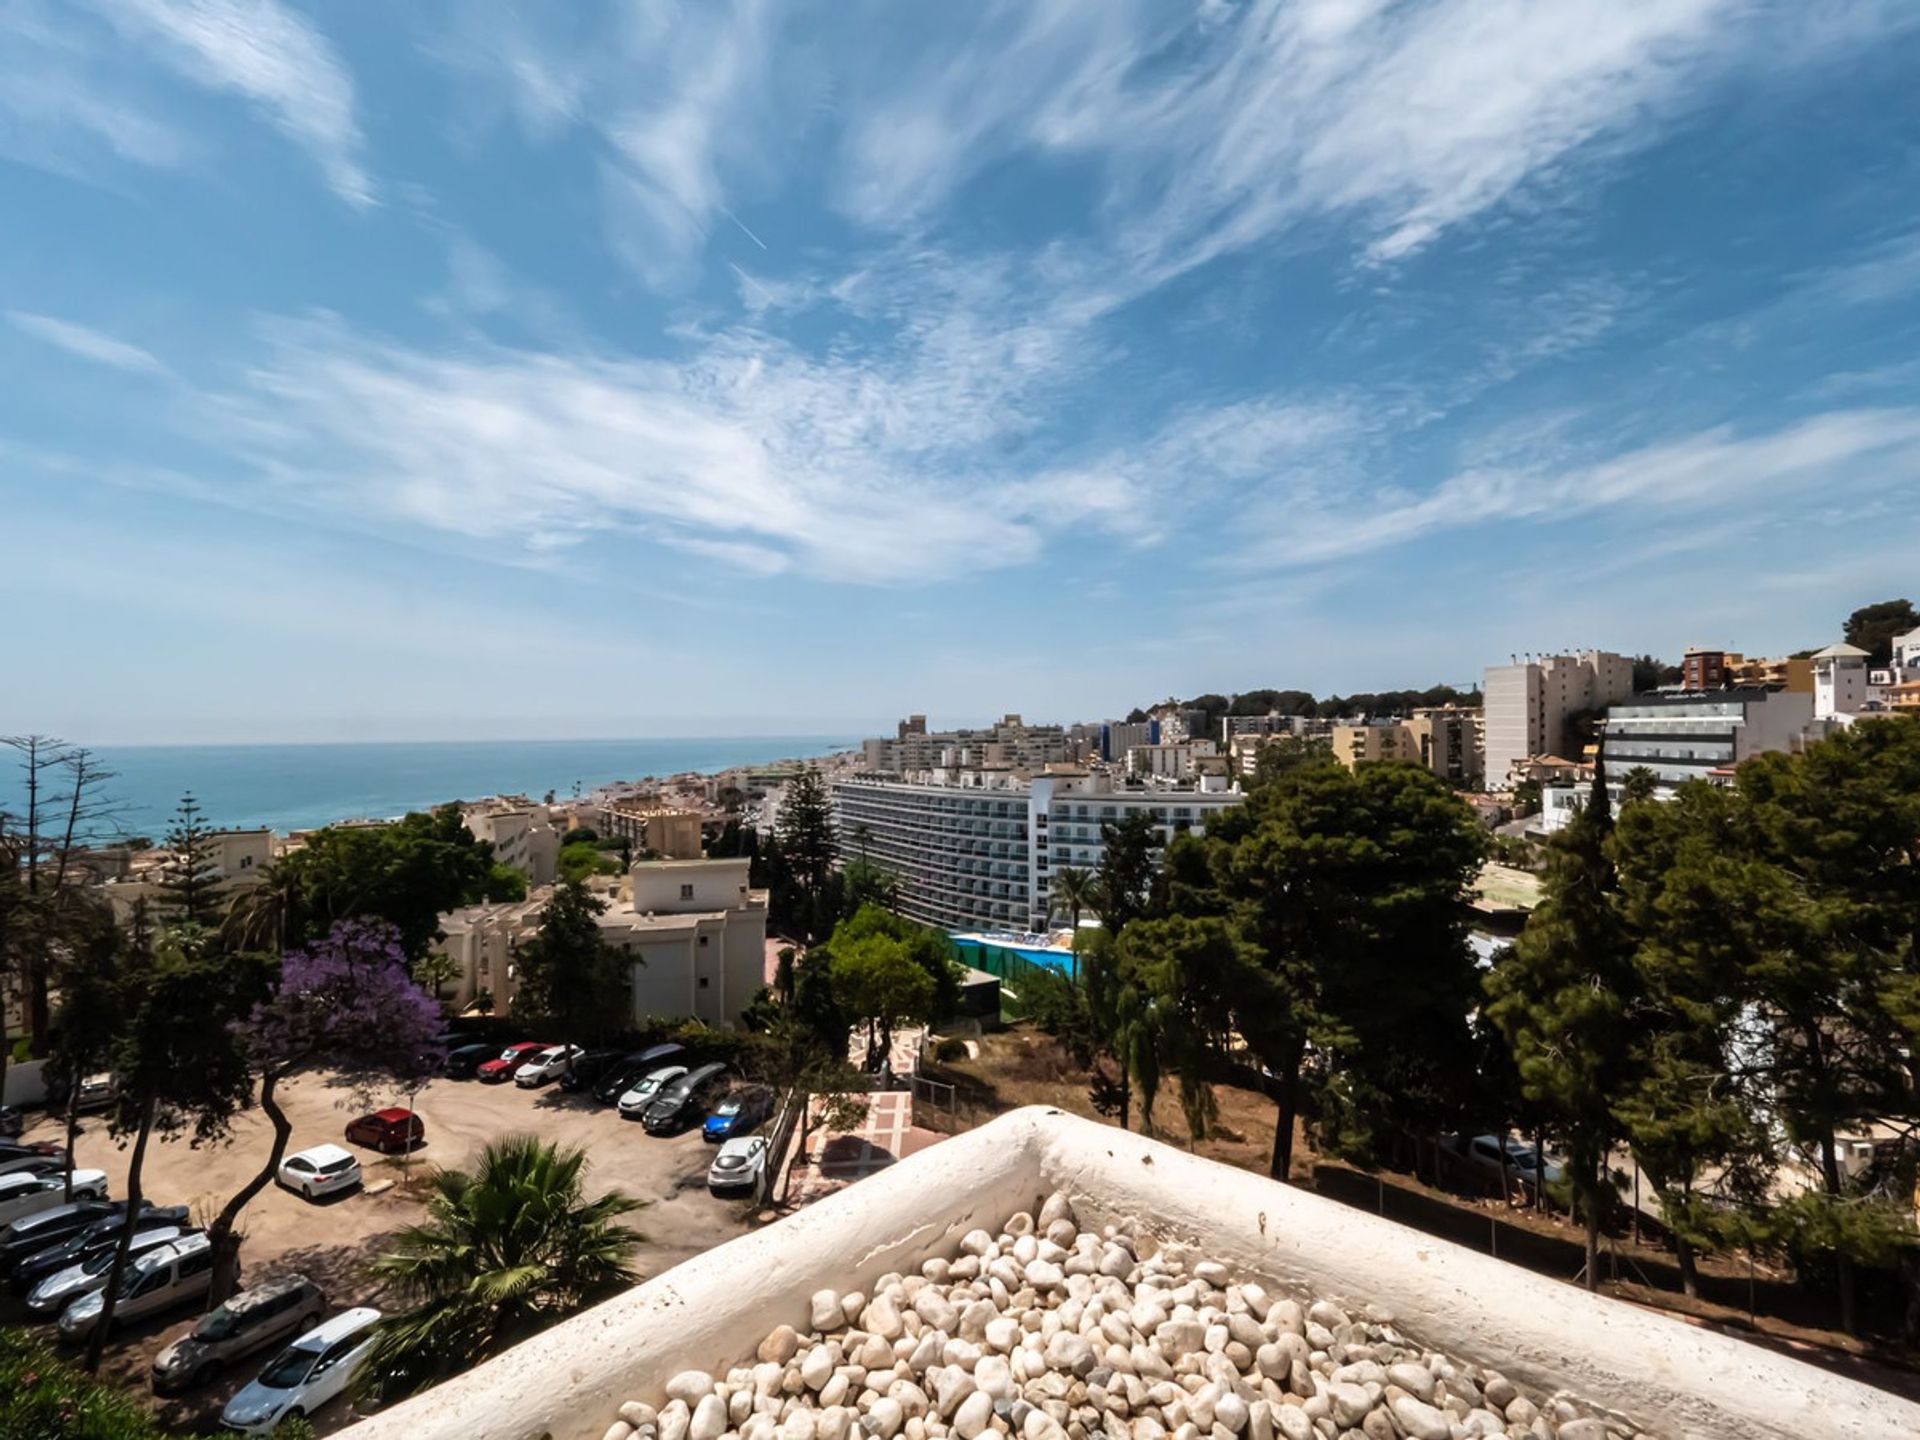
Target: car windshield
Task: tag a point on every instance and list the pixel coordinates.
(217, 1324)
(728, 1107)
(289, 1370)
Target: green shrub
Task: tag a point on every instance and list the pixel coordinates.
(45, 1398)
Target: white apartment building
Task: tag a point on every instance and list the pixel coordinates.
(523, 837)
(1174, 760)
(695, 930)
(1840, 682)
(1682, 737)
(238, 859)
(975, 850)
(1527, 704)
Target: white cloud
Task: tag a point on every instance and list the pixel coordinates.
(273, 57)
(1823, 455)
(88, 344)
(751, 452)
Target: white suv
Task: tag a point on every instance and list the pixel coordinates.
(305, 1375)
(549, 1064)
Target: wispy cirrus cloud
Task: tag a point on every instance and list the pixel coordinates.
(86, 343)
(1839, 451)
(272, 57)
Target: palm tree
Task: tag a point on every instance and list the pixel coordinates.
(507, 1249)
(1073, 891)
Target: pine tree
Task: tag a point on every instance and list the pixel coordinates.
(805, 833)
(1562, 996)
(190, 878)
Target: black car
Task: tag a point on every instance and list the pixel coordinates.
(683, 1101)
(619, 1078)
(102, 1234)
(589, 1069)
(33, 1233)
(462, 1063)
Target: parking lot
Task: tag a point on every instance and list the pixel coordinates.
(330, 1240)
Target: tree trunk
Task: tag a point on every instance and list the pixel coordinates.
(1689, 1269)
(109, 1297)
(1288, 1101)
(1126, 1095)
(1539, 1168)
(1594, 1171)
(73, 1137)
(1842, 1261)
(220, 1236)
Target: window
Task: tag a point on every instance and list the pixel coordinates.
(686, 892)
(703, 979)
(703, 942)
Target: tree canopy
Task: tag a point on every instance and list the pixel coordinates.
(1875, 627)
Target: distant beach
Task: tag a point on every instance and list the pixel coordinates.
(297, 787)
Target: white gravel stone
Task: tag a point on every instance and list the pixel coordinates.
(709, 1419)
(974, 1416)
(690, 1387)
(825, 1312)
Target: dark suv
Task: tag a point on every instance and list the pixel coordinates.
(685, 1100)
(90, 1240)
(36, 1232)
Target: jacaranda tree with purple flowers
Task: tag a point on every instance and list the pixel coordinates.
(351, 1001)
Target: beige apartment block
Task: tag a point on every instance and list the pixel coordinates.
(694, 929)
(1529, 702)
(523, 837)
(1383, 740)
(669, 833)
(240, 859)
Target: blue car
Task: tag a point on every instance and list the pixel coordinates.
(737, 1114)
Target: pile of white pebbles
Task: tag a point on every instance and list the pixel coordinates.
(1050, 1332)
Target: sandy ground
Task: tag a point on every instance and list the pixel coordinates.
(330, 1240)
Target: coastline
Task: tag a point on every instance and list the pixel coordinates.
(297, 787)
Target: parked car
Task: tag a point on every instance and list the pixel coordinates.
(634, 1103)
(389, 1131)
(53, 1293)
(159, 1281)
(590, 1069)
(683, 1101)
(21, 1238)
(12, 1122)
(621, 1077)
(510, 1060)
(323, 1170)
(24, 1195)
(15, 1156)
(249, 1321)
(461, 1064)
(739, 1165)
(98, 1235)
(305, 1375)
(33, 1162)
(737, 1114)
(548, 1064)
(1522, 1163)
(94, 1092)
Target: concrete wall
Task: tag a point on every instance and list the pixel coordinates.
(711, 1311)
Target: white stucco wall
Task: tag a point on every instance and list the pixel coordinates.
(712, 1311)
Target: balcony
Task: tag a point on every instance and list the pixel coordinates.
(713, 1310)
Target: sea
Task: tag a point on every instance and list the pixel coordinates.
(298, 787)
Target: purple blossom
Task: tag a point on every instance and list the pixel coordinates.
(351, 1001)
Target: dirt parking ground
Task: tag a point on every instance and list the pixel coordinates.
(331, 1240)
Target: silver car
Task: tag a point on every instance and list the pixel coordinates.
(269, 1312)
(60, 1289)
(158, 1281)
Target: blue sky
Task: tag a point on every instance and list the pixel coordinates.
(382, 371)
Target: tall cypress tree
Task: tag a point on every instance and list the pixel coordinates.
(1562, 995)
(805, 832)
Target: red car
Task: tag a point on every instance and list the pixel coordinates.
(511, 1059)
(387, 1131)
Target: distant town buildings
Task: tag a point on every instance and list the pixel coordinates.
(1840, 685)
(1009, 742)
(1117, 737)
(1444, 739)
(1169, 760)
(1530, 702)
(238, 860)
